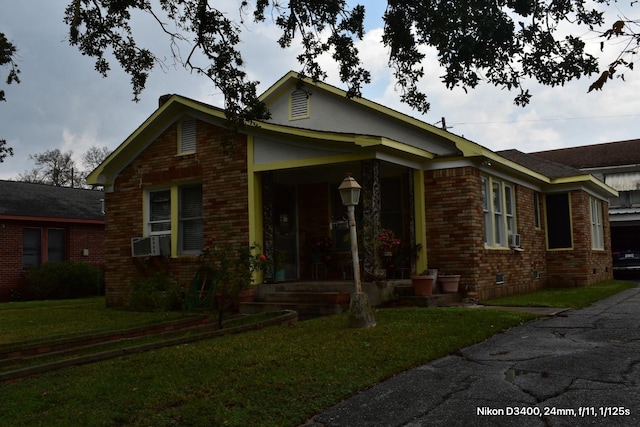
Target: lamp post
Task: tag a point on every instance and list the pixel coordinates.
(361, 314)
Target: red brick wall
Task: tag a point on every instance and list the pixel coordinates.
(581, 265)
(220, 164)
(78, 237)
(455, 240)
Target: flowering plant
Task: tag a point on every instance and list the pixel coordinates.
(226, 269)
(229, 266)
(388, 241)
(321, 249)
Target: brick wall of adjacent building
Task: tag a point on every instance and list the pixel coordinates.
(78, 237)
(219, 164)
(455, 240)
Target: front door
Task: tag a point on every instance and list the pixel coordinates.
(285, 228)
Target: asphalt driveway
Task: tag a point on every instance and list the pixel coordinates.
(580, 367)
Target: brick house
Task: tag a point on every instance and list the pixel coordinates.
(42, 223)
(507, 222)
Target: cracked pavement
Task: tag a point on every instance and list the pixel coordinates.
(580, 368)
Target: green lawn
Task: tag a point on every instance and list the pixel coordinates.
(277, 376)
(28, 321)
(564, 297)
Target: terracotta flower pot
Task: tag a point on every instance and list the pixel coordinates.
(422, 285)
(449, 283)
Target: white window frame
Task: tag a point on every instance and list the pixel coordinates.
(499, 212)
(151, 228)
(597, 227)
(175, 220)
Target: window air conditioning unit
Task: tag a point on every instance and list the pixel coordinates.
(514, 241)
(150, 246)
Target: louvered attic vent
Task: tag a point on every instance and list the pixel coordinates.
(299, 104)
(188, 136)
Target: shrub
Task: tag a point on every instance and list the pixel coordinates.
(67, 279)
(157, 293)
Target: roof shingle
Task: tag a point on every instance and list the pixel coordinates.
(47, 201)
(619, 153)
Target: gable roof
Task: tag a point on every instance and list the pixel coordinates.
(620, 153)
(174, 107)
(39, 201)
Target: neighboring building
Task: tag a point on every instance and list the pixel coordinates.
(508, 223)
(42, 223)
(618, 165)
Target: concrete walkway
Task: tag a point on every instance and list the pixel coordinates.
(579, 368)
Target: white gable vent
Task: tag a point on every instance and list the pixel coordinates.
(188, 136)
(299, 104)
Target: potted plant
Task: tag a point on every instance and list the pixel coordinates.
(280, 263)
(449, 282)
(423, 283)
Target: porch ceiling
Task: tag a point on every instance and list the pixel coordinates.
(331, 173)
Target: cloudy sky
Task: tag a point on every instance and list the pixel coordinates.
(63, 103)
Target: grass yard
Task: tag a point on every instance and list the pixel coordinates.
(33, 320)
(276, 376)
(564, 297)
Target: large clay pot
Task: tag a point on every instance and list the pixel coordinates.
(449, 283)
(422, 285)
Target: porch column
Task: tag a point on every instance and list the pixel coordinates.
(420, 218)
(267, 222)
(371, 207)
(412, 220)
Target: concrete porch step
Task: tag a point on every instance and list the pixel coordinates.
(300, 297)
(307, 286)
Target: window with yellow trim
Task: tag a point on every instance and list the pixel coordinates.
(499, 211)
(177, 212)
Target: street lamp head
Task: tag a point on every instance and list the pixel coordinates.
(350, 191)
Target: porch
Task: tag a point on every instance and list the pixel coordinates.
(303, 227)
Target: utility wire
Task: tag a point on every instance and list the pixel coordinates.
(543, 120)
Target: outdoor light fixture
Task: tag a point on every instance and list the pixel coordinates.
(350, 191)
(361, 314)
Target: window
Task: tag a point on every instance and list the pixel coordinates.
(184, 205)
(56, 248)
(187, 139)
(299, 105)
(31, 247)
(558, 221)
(34, 242)
(191, 236)
(597, 234)
(498, 206)
(160, 212)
